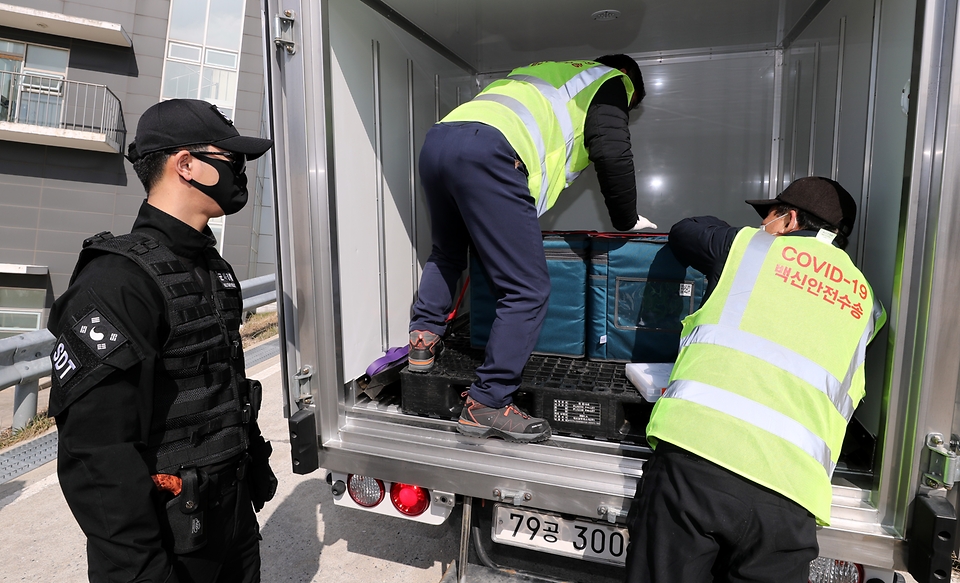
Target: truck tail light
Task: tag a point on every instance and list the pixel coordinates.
(364, 490)
(409, 499)
(824, 570)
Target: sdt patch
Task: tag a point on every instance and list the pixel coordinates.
(99, 334)
(65, 364)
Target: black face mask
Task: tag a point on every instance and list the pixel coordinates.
(230, 191)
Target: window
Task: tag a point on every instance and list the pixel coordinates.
(11, 63)
(31, 83)
(203, 59)
(203, 51)
(21, 310)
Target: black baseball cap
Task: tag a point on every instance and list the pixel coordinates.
(184, 122)
(819, 196)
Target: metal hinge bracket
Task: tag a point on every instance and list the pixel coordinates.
(943, 470)
(611, 513)
(515, 497)
(283, 31)
(302, 376)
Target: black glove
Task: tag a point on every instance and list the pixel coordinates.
(260, 478)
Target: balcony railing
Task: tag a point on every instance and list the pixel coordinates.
(52, 102)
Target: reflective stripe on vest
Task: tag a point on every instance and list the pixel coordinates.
(761, 416)
(728, 335)
(529, 122)
(783, 358)
(559, 99)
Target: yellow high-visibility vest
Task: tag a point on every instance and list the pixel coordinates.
(540, 109)
(770, 369)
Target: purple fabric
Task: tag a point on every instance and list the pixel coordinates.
(392, 357)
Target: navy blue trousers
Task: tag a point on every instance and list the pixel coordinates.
(477, 194)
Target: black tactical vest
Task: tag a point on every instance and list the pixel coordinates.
(201, 409)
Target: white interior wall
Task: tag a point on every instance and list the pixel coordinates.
(701, 144)
(873, 244)
(353, 28)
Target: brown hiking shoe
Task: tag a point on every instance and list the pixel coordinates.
(424, 348)
(510, 423)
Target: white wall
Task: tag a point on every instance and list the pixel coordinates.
(869, 165)
(404, 231)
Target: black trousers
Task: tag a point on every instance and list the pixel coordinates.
(232, 552)
(695, 522)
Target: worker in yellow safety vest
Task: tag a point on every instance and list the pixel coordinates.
(770, 370)
(489, 169)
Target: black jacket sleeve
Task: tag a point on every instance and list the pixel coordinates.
(704, 244)
(102, 474)
(606, 135)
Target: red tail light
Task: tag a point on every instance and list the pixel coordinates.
(409, 499)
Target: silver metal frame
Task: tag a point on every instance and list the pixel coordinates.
(798, 69)
(306, 218)
(924, 315)
(868, 143)
(813, 109)
(835, 153)
(776, 142)
(381, 221)
(414, 229)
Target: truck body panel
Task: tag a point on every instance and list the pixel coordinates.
(742, 98)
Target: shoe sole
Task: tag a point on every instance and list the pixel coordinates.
(425, 365)
(420, 365)
(483, 432)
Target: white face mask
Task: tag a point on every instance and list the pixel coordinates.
(764, 226)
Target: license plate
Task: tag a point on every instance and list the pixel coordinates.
(549, 533)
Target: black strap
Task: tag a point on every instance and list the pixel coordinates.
(230, 442)
(194, 361)
(190, 495)
(197, 433)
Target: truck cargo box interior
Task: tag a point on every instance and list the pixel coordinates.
(742, 98)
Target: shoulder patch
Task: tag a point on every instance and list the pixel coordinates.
(65, 363)
(99, 334)
(226, 280)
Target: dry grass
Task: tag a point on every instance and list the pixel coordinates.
(259, 327)
(37, 426)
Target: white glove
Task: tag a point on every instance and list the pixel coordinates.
(643, 223)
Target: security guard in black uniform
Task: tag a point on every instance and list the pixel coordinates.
(160, 459)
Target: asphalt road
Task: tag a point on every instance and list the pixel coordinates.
(305, 537)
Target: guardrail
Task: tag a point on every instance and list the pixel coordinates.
(25, 358)
(51, 101)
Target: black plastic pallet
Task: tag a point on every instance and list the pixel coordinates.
(578, 397)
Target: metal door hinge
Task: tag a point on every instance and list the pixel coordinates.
(302, 376)
(283, 31)
(943, 470)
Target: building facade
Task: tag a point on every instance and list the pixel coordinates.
(75, 76)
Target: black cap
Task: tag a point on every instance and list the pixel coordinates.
(819, 196)
(185, 122)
